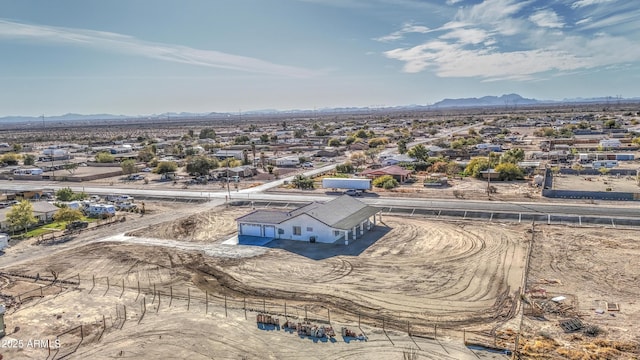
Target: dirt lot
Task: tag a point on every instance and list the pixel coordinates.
(590, 267)
(416, 272)
(596, 183)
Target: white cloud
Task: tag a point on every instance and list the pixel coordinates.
(547, 18)
(114, 42)
(407, 28)
(453, 2)
(453, 60)
(583, 3)
(583, 21)
(467, 36)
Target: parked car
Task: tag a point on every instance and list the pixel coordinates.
(353, 192)
(76, 225)
(146, 169)
(307, 165)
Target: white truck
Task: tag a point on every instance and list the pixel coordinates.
(346, 183)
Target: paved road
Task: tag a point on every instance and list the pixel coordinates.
(625, 210)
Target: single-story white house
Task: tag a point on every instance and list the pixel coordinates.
(343, 218)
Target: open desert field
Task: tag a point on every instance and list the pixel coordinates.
(183, 289)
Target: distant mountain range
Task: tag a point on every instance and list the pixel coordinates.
(507, 100)
(512, 100)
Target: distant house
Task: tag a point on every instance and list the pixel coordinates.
(285, 161)
(397, 172)
(43, 211)
(243, 171)
(489, 147)
(396, 159)
(610, 143)
(343, 218)
(224, 154)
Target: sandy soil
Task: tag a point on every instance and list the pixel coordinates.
(422, 273)
(596, 183)
(455, 275)
(590, 267)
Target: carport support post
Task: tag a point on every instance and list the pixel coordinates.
(285, 309)
(329, 315)
(264, 306)
(305, 313)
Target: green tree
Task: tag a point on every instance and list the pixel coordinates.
(207, 133)
(105, 157)
(385, 182)
(67, 214)
(129, 167)
(299, 133)
(65, 194)
(577, 167)
(302, 182)
(604, 171)
(241, 139)
(350, 140)
(334, 142)
(402, 146)
(10, 159)
(71, 167)
(419, 152)
(610, 124)
(476, 166)
(509, 171)
(264, 138)
(166, 167)
(200, 165)
(380, 141)
(361, 134)
(21, 215)
(29, 159)
(146, 154)
(346, 168)
(513, 156)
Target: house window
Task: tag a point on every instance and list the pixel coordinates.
(297, 230)
(309, 229)
(337, 233)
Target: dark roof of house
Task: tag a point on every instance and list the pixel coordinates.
(343, 212)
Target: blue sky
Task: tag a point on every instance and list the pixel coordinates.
(139, 57)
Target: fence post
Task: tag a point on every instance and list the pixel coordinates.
(40, 291)
(122, 293)
(105, 293)
(435, 331)
(285, 309)
(154, 294)
(104, 322)
(78, 279)
(158, 308)
(264, 306)
(225, 305)
(206, 302)
(81, 333)
(138, 290)
(94, 280)
(245, 307)
(188, 298)
(329, 315)
(170, 295)
(408, 328)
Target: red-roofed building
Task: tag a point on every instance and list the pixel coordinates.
(398, 173)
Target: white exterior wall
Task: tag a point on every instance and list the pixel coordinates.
(322, 232)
